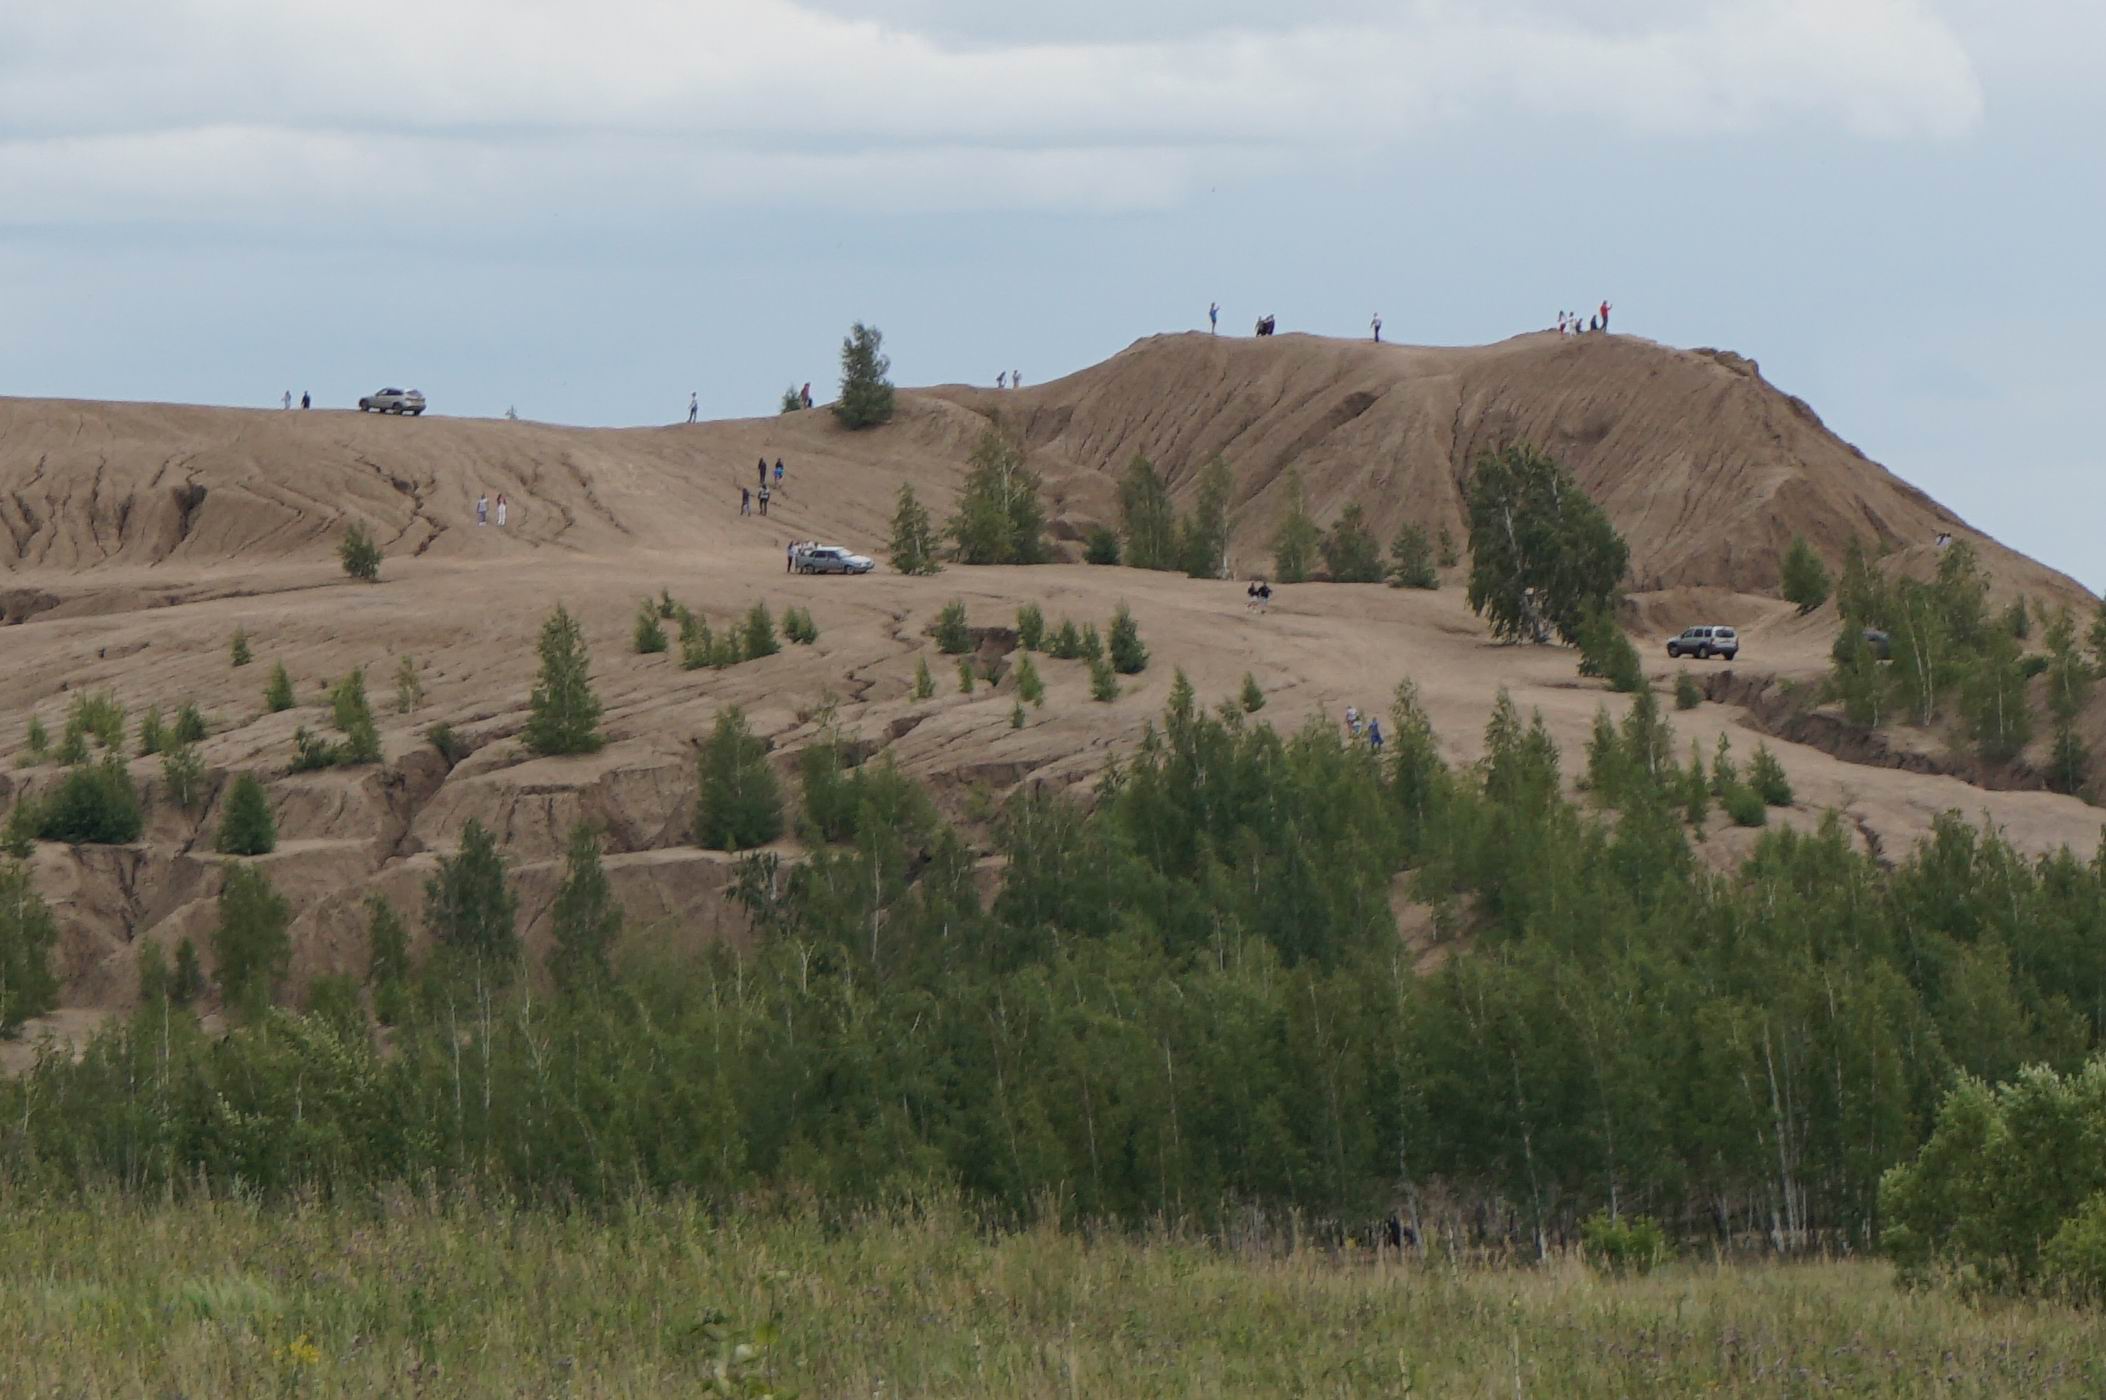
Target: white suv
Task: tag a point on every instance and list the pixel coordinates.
(393, 401)
(1706, 642)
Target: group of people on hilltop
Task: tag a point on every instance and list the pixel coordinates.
(1574, 323)
(1356, 731)
(1010, 379)
(760, 492)
(305, 400)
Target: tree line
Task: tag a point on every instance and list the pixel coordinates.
(1187, 998)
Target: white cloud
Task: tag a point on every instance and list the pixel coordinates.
(261, 109)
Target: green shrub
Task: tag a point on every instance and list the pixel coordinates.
(1606, 652)
(151, 736)
(1411, 559)
(1129, 657)
(190, 724)
(1688, 694)
(451, 746)
(93, 805)
(667, 608)
(1350, 552)
(585, 921)
(409, 686)
(347, 700)
(1744, 805)
(97, 714)
(2033, 664)
(312, 751)
(2073, 1265)
(1446, 554)
(924, 683)
(36, 742)
(360, 553)
(798, 626)
(1030, 627)
(238, 649)
(965, 675)
(866, 391)
(1766, 776)
(251, 948)
(1029, 687)
(387, 960)
(333, 999)
(953, 637)
(1252, 698)
(1101, 546)
(1066, 644)
(757, 637)
(1091, 647)
(470, 909)
(740, 806)
(187, 983)
(913, 548)
(1016, 715)
(18, 837)
(73, 748)
(650, 634)
(246, 827)
(563, 711)
(278, 695)
(1805, 578)
(1104, 681)
(183, 775)
(1634, 1244)
(28, 936)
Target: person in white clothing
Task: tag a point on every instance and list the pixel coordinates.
(500, 510)
(288, 398)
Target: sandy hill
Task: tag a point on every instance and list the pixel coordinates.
(139, 538)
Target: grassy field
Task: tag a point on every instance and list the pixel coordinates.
(114, 1299)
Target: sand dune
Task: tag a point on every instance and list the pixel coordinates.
(139, 537)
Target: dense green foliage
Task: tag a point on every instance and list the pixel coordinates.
(1411, 559)
(409, 685)
(1203, 535)
(741, 803)
(1189, 1001)
(238, 649)
(1100, 546)
(1252, 697)
(360, 553)
(1688, 694)
(152, 733)
(183, 775)
(251, 948)
(866, 386)
(1295, 541)
(246, 827)
(1606, 652)
(2009, 1192)
(924, 683)
(1804, 577)
(757, 634)
(953, 637)
(1129, 654)
(1000, 518)
(563, 713)
(1030, 627)
(913, 547)
(278, 693)
(1543, 555)
(648, 636)
(28, 935)
(470, 908)
(798, 627)
(1147, 519)
(1104, 680)
(585, 920)
(1350, 552)
(94, 804)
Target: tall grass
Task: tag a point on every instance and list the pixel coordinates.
(401, 1294)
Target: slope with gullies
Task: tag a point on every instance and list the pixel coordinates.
(137, 539)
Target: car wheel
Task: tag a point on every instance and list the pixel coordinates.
(1674, 653)
(1703, 653)
(416, 413)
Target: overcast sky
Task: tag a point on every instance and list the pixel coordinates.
(587, 210)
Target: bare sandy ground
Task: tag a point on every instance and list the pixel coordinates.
(123, 585)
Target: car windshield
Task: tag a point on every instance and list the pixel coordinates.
(385, 392)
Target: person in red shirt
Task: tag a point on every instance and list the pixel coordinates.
(1605, 314)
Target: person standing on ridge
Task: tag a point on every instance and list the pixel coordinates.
(1002, 380)
(807, 393)
(1377, 324)
(1214, 318)
(694, 405)
(1605, 313)
(306, 402)
(761, 477)
(288, 398)
(1016, 379)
